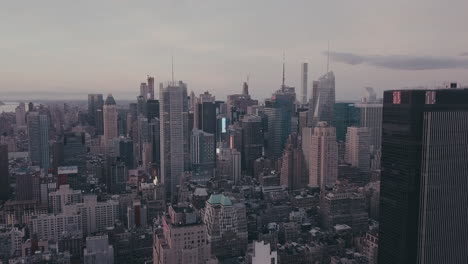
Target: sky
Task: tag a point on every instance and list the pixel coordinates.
(67, 49)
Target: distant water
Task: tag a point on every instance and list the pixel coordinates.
(8, 107)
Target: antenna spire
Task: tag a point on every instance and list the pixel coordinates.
(172, 64)
(283, 69)
(328, 57)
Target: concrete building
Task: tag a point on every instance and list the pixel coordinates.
(344, 208)
(228, 164)
(203, 151)
(323, 156)
(262, 254)
(226, 223)
(20, 115)
(358, 148)
(62, 197)
(137, 215)
(98, 250)
(95, 103)
(371, 117)
(182, 238)
(96, 216)
(51, 226)
(4, 174)
(110, 121)
(293, 171)
(38, 135)
(304, 82)
(174, 135)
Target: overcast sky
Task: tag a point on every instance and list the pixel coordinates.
(71, 48)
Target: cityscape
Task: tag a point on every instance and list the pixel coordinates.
(171, 174)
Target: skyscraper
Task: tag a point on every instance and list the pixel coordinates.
(110, 120)
(293, 170)
(345, 115)
(20, 113)
(423, 197)
(150, 88)
(358, 147)
(95, 103)
(323, 156)
(304, 81)
(323, 100)
(4, 175)
(371, 116)
(174, 135)
(252, 141)
(273, 134)
(144, 91)
(38, 135)
(74, 151)
(203, 151)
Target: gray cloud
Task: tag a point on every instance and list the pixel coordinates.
(400, 62)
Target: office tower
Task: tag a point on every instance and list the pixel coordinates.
(98, 250)
(203, 151)
(155, 133)
(110, 120)
(423, 197)
(205, 113)
(30, 107)
(20, 114)
(293, 171)
(285, 99)
(371, 116)
(147, 155)
(116, 175)
(4, 174)
(344, 208)
(99, 122)
(95, 103)
(228, 164)
(174, 135)
(323, 100)
(69, 176)
(227, 226)
(125, 152)
(304, 81)
(38, 135)
(182, 238)
(141, 106)
(136, 215)
(152, 109)
(122, 121)
(151, 88)
(358, 148)
(323, 156)
(252, 141)
(62, 197)
(96, 216)
(74, 151)
(273, 133)
(237, 104)
(144, 91)
(345, 115)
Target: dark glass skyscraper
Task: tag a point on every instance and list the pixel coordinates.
(424, 183)
(4, 175)
(345, 115)
(74, 151)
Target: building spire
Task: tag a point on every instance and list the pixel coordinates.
(282, 85)
(328, 57)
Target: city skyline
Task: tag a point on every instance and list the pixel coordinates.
(217, 45)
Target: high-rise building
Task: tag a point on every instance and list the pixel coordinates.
(274, 133)
(345, 115)
(203, 151)
(20, 113)
(304, 81)
(144, 91)
(96, 216)
(423, 197)
(152, 109)
(98, 250)
(323, 156)
(228, 164)
(174, 135)
(125, 152)
(4, 174)
(252, 141)
(74, 151)
(344, 208)
(358, 148)
(371, 117)
(205, 113)
(136, 215)
(293, 170)
(62, 197)
(95, 103)
(38, 135)
(323, 100)
(183, 238)
(51, 226)
(227, 226)
(150, 88)
(110, 120)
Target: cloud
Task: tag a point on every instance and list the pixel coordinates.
(464, 54)
(401, 62)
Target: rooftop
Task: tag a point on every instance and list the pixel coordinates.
(219, 199)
